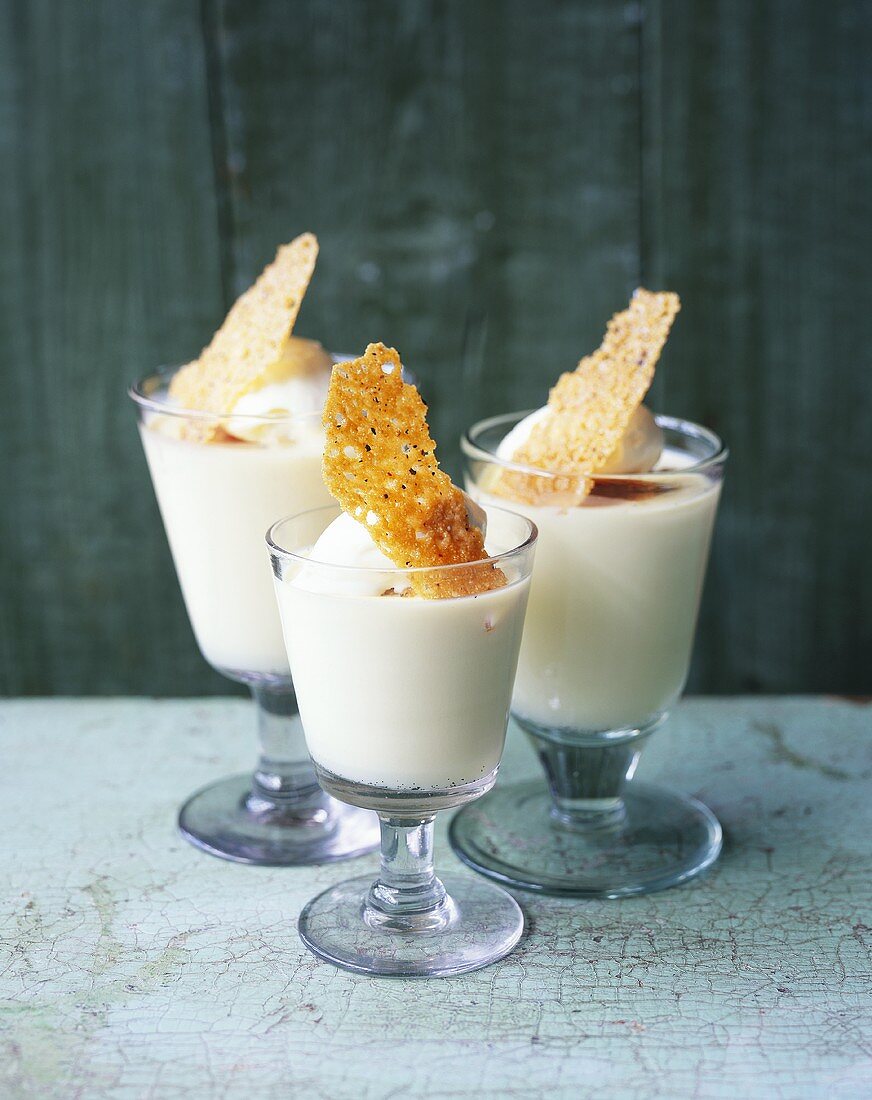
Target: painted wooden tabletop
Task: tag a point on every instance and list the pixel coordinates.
(133, 966)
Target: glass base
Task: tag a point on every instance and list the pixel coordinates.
(658, 839)
(475, 925)
(227, 820)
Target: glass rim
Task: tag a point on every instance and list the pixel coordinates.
(136, 392)
(473, 450)
(276, 550)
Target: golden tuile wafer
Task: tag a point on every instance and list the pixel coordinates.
(380, 464)
(252, 339)
(591, 407)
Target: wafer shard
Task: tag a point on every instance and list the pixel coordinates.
(380, 464)
(253, 337)
(589, 409)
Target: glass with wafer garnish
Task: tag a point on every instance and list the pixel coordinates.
(233, 440)
(402, 609)
(625, 504)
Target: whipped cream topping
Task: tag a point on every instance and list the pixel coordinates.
(637, 452)
(297, 385)
(347, 542)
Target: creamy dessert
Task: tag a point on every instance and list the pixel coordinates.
(228, 493)
(232, 443)
(403, 635)
(625, 519)
(403, 718)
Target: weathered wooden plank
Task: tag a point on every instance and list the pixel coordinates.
(471, 170)
(758, 176)
(474, 172)
(110, 266)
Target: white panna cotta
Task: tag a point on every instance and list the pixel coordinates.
(395, 691)
(615, 592)
(217, 499)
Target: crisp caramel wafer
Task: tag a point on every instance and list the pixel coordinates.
(380, 464)
(591, 407)
(253, 337)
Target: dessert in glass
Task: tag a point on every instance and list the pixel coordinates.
(232, 442)
(625, 504)
(403, 611)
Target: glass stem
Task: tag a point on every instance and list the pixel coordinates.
(407, 895)
(284, 773)
(587, 781)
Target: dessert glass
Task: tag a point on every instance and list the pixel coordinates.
(217, 500)
(606, 649)
(405, 703)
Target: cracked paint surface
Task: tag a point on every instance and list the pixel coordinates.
(132, 965)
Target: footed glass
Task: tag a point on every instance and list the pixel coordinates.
(606, 650)
(217, 498)
(428, 682)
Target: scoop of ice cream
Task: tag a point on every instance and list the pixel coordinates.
(639, 448)
(296, 385)
(637, 451)
(347, 542)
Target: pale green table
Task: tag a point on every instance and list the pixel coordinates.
(134, 966)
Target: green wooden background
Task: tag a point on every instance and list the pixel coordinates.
(489, 180)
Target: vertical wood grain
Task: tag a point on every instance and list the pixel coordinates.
(489, 180)
(109, 267)
(471, 171)
(756, 208)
